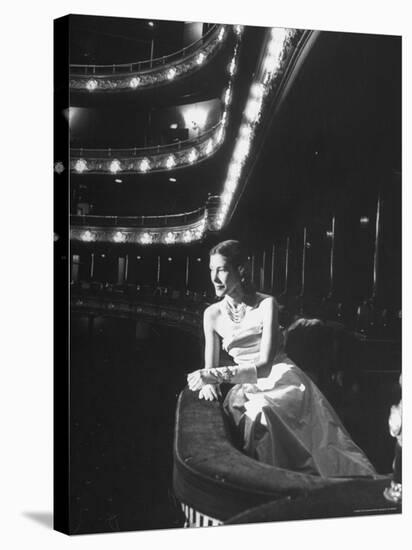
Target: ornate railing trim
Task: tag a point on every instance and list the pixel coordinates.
(126, 68)
(135, 79)
(279, 47)
(175, 234)
(150, 159)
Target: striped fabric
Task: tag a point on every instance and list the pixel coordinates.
(197, 519)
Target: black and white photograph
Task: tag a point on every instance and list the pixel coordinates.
(235, 273)
(206, 269)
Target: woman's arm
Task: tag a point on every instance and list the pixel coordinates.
(212, 354)
(212, 350)
(247, 373)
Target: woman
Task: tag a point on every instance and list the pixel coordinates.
(283, 417)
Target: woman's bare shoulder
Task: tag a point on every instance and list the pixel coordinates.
(266, 300)
(212, 312)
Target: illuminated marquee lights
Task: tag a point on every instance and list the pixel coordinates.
(101, 79)
(170, 162)
(87, 236)
(246, 131)
(257, 90)
(226, 197)
(146, 238)
(144, 165)
(187, 236)
(241, 149)
(227, 97)
(91, 84)
(134, 82)
(202, 226)
(240, 153)
(119, 237)
(115, 166)
(251, 115)
(275, 51)
(209, 147)
(235, 170)
(80, 166)
(170, 238)
(219, 137)
(157, 162)
(253, 108)
(200, 58)
(193, 156)
(231, 185)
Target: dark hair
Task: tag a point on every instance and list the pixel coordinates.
(236, 254)
(232, 250)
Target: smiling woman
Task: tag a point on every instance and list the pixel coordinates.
(282, 416)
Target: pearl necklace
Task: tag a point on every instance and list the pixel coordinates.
(236, 314)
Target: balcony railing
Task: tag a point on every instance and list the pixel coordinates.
(146, 64)
(130, 152)
(154, 158)
(167, 220)
(146, 73)
(168, 229)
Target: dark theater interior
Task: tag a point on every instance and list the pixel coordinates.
(181, 135)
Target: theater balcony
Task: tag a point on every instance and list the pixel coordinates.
(174, 139)
(202, 42)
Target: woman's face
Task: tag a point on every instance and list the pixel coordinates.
(225, 277)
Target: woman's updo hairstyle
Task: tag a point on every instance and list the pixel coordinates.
(234, 252)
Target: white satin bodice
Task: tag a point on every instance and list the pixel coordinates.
(242, 340)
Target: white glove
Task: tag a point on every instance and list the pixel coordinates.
(232, 375)
(210, 392)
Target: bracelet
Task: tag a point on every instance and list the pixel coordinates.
(223, 374)
(232, 375)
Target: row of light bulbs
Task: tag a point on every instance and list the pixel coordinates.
(150, 237)
(242, 148)
(93, 84)
(145, 165)
(251, 115)
(193, 155)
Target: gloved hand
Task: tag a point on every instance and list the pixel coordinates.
(210, 392)
(233, 375)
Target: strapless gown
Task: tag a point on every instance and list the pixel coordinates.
(284, 419)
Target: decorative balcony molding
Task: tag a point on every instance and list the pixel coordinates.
(145, 74)
(149, 159)
(280, 51)
(142, 230)
(162, 157)
(280, 48)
